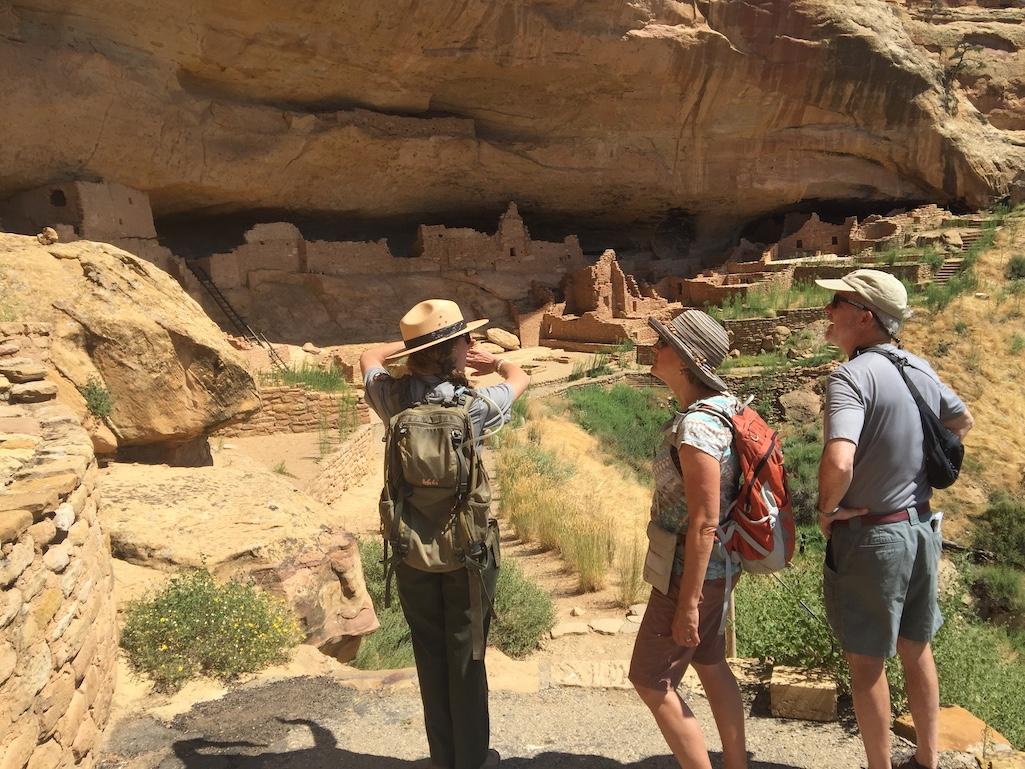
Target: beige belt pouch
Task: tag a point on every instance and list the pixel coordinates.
(658, 563)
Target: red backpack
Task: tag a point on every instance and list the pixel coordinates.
(759, 533)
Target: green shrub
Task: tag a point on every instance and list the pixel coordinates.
(626, 420)
(281, 469)
(764, 303)
(196, 626)
(525, 612)
(599, 365)
(390, 646)
(1001, 588)
(525, 615)
(1001, 529)
(1017, 343)
(98, 399)
(933, 258)
(979, 671)
(329, 379)
(772, 624)
(961, 328)
(801, 454)
(1015, 267)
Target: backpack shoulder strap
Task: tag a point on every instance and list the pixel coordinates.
(708, 408)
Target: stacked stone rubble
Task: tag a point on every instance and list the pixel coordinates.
(58, 635)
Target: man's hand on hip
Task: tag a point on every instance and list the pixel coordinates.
(826, 520)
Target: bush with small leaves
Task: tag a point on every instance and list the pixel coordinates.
(98, 399)
(1016, 267)
(196, 626)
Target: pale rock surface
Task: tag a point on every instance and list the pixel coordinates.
(123, 322)
(449, 106)
(800, 693)
(606, 625)
(166, 518)
(959, 730)
(605, 674)
(570, 628)
(509, 675)
(503, 339)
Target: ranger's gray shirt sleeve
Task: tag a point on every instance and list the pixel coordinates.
(376, 382)
(489, 415)
(845, 409)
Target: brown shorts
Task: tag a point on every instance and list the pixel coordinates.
(658, 662)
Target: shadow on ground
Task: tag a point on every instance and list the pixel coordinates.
(200, 753)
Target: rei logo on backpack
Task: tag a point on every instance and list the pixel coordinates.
(436, 499)
(760, 533)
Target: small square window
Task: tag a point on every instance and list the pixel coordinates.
(836, 240)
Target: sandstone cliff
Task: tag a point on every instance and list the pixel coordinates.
(129, 327)
(607, 111)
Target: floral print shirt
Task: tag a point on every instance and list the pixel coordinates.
(709, 434)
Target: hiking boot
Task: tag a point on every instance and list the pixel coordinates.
(491, 762)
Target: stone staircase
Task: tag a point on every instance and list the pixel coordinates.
(948, 270)
(22, 379)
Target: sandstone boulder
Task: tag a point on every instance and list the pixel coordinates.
(806, 694)
(503, 339)
(959, 730)
(123, 325)
(241, 520)
(801, 405)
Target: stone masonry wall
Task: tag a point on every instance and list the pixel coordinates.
(346, 467)
(748, 335)
(297, 410)
(58, 636)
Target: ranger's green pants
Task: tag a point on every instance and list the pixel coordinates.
(453, 686)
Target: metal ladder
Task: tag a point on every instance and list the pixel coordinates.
(241, 327)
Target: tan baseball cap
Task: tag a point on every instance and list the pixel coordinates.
(881, 290)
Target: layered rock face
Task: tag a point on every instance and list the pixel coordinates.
(241, 521)
(121, 324)
(610, 111)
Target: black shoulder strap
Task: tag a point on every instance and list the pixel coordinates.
(901, 364)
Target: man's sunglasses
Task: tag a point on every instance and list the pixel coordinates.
(837, 300)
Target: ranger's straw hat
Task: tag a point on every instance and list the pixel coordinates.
(431, 322)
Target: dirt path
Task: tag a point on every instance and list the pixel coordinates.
(315, 723)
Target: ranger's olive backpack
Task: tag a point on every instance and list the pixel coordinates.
(436, 500)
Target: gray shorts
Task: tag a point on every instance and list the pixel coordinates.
(879, 582)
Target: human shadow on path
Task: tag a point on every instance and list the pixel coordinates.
(200, 753)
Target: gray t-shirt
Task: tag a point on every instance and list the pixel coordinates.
(388, 396)
(868, 403)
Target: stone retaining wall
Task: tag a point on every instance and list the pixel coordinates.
(346, 467)
(58, 636)
(749, 334)
(766, 385)
(299, 410)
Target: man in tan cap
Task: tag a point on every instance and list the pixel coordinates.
(879, 576)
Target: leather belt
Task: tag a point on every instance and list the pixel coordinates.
(874, 519)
